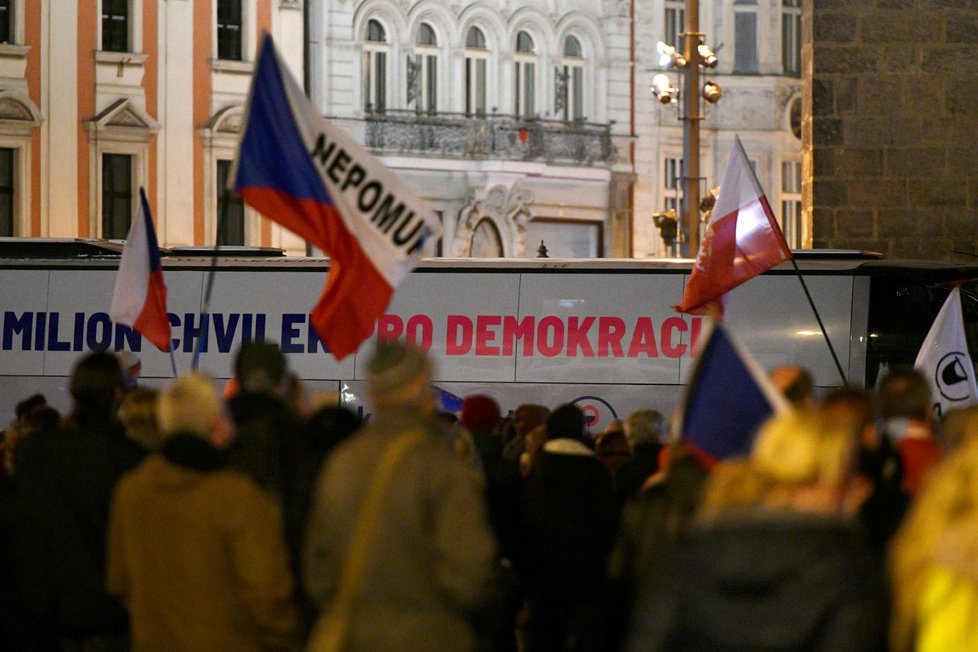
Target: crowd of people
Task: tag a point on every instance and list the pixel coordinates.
(195, 518)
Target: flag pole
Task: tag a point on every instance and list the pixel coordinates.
(221, 227)
(821, 326)
(173, 363)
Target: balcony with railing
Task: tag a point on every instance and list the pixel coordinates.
(494, 136)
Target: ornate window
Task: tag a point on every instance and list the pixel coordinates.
(119, 150)
(7, 188)
(115, 26)
(791, 202)
(8, 28)
(526, 64)
(117, 195)
(233, 233)
(229, 30)
(375, 53)
(745, 35)
(791, 37)
(476, 72)
(672, 172)
(674, 23)
(571, 99)
(423, 71)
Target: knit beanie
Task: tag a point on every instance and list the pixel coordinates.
(393, 366)
(480, 413)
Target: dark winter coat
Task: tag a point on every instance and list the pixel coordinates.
(765, 580)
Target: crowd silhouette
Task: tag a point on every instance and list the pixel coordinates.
(253, 517)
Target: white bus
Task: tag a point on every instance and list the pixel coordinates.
(598, 332)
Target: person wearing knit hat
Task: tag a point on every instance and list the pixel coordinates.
(431, 563)
(399, 374)
(480, 413)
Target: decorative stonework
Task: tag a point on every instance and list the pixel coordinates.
(508, 208)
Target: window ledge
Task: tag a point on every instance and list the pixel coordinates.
(232, 67)
(14, 51)
(121, 58)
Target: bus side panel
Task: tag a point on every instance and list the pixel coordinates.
(23, 313)
(459, 318)
(603, 328)
(771, 318)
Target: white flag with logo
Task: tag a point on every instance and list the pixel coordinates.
(944, 358)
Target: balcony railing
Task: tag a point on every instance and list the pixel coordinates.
(492, 136)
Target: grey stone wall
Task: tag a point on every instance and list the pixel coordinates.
(890, 127)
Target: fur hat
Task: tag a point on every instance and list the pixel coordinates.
(393, 366)
(480, 413)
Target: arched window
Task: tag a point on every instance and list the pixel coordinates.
(526, 63)
(486, 242)
(476, 71)
(375, 52)
(572, 80)
(423, 75)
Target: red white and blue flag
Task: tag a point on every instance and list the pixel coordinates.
(139, 299)
(742, 239)
(299, 170)
(727, 399)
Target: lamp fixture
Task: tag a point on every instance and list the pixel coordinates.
(712, 92)
(708, 59)
(669, 57)
(663, 89)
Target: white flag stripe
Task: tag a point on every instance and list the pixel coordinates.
(944, 359)
(132, 279)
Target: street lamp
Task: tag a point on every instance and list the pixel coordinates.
(695, 55)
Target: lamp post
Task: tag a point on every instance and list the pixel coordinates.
(695, 55)
(691, 129)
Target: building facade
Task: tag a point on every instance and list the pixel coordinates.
(521, 122)
(101, 97)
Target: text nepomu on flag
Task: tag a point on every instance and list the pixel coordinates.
(301, 171)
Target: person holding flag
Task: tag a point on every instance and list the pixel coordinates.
(139, 299)
(742, 239)
(299, 170)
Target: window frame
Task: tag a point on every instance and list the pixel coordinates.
(229, 24)
(122, 14)
(746, 51)
(426, 61)
(376, 54)
(573, 84)
(110, 195)
(525, 75)
(791, 37)
(791, 215)
(476, 73)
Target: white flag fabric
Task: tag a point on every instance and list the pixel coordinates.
(944, 359)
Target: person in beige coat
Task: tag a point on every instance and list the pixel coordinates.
(429, 571)
(196, 550)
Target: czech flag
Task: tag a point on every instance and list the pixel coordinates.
(726, 401)
(139, 299)
(742, 239)
(299, 170)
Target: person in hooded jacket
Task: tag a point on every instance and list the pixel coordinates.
(775, 560)
(569, 521)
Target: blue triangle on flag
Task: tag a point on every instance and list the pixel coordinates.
(726, 401)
